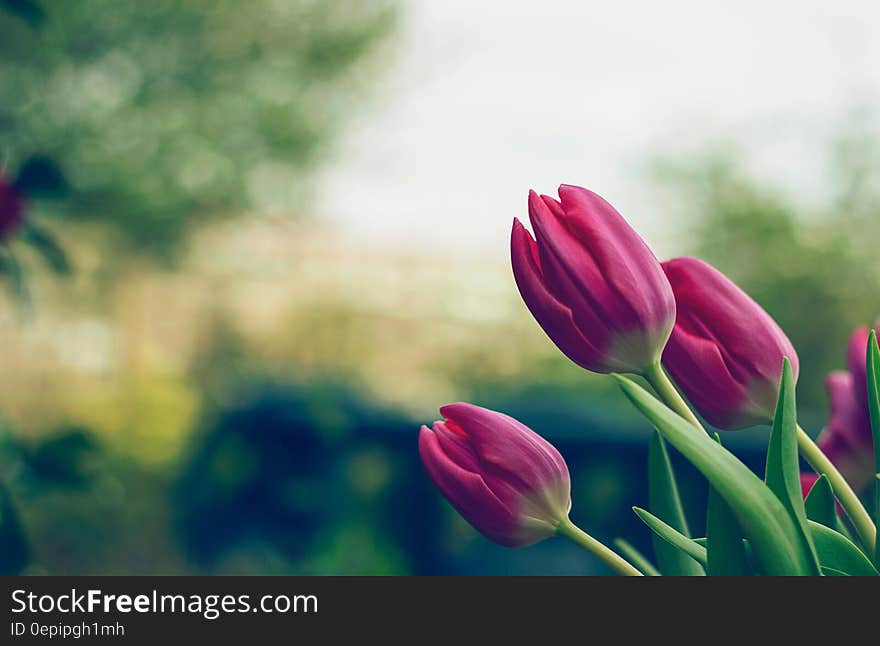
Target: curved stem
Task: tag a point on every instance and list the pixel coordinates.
(664, 387)
(608, 556)
(842, 491)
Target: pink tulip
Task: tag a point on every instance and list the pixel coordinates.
(857, 363)
(847, 439)
(725, 352)
(502, 477)
(591, 282)
(11, 208)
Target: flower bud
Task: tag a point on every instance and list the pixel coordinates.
(502, 477)
(591, 282)
(846, 439)
(725, 352)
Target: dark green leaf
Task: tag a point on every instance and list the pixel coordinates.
(873, 360)
(783, 473)
(635, 557)
(673, 537)
(877, 516)
(874, 395)
(726, 554)
(666, 505)
(838, 552)
(45, 243)
(776, 542)
(820, 504)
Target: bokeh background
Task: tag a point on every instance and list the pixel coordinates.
(263, 241)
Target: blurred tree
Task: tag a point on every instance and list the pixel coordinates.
(167, 113)
(817, 275)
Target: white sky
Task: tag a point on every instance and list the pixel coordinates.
(488, 99)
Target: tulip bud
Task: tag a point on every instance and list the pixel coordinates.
(857, 363)
(592, 283)
(846, 439)
(725, 352)
(502, 477)
(11, 208)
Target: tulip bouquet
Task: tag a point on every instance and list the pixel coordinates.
(684, 343)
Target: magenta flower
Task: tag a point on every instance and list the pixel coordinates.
(847, 439)
(502, 477)
(11, 208)
(591, 282)
(725, 352)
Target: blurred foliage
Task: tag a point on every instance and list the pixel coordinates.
(813, 268)
(29, 11)
(298, 470)
(168, 113)
(14, 548)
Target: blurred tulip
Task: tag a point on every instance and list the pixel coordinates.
(857, 364)
(11, 208)
(591, 282)
(725, 352)
(502, 477)
(846, 440)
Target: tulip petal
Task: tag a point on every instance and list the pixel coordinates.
(456, 447)
(468, 492)
(626, 263)
(698, 367)
(725, 351)
(552, 315)
(571, 273)
(857, 353)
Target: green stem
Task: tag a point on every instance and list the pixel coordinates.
(608, 556)
(664, 387)
(842, 491)
(636, 558)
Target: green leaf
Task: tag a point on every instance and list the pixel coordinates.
(49, 249)
(672, 536)
(665, 503)
(873, 367)
(874, 395)
(783, 472)
(726, 553)
(839, 553)
(776, 542)
(820, 504)
(635, 557)
(877, 515)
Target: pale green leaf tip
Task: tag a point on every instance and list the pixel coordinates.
(786, 370)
